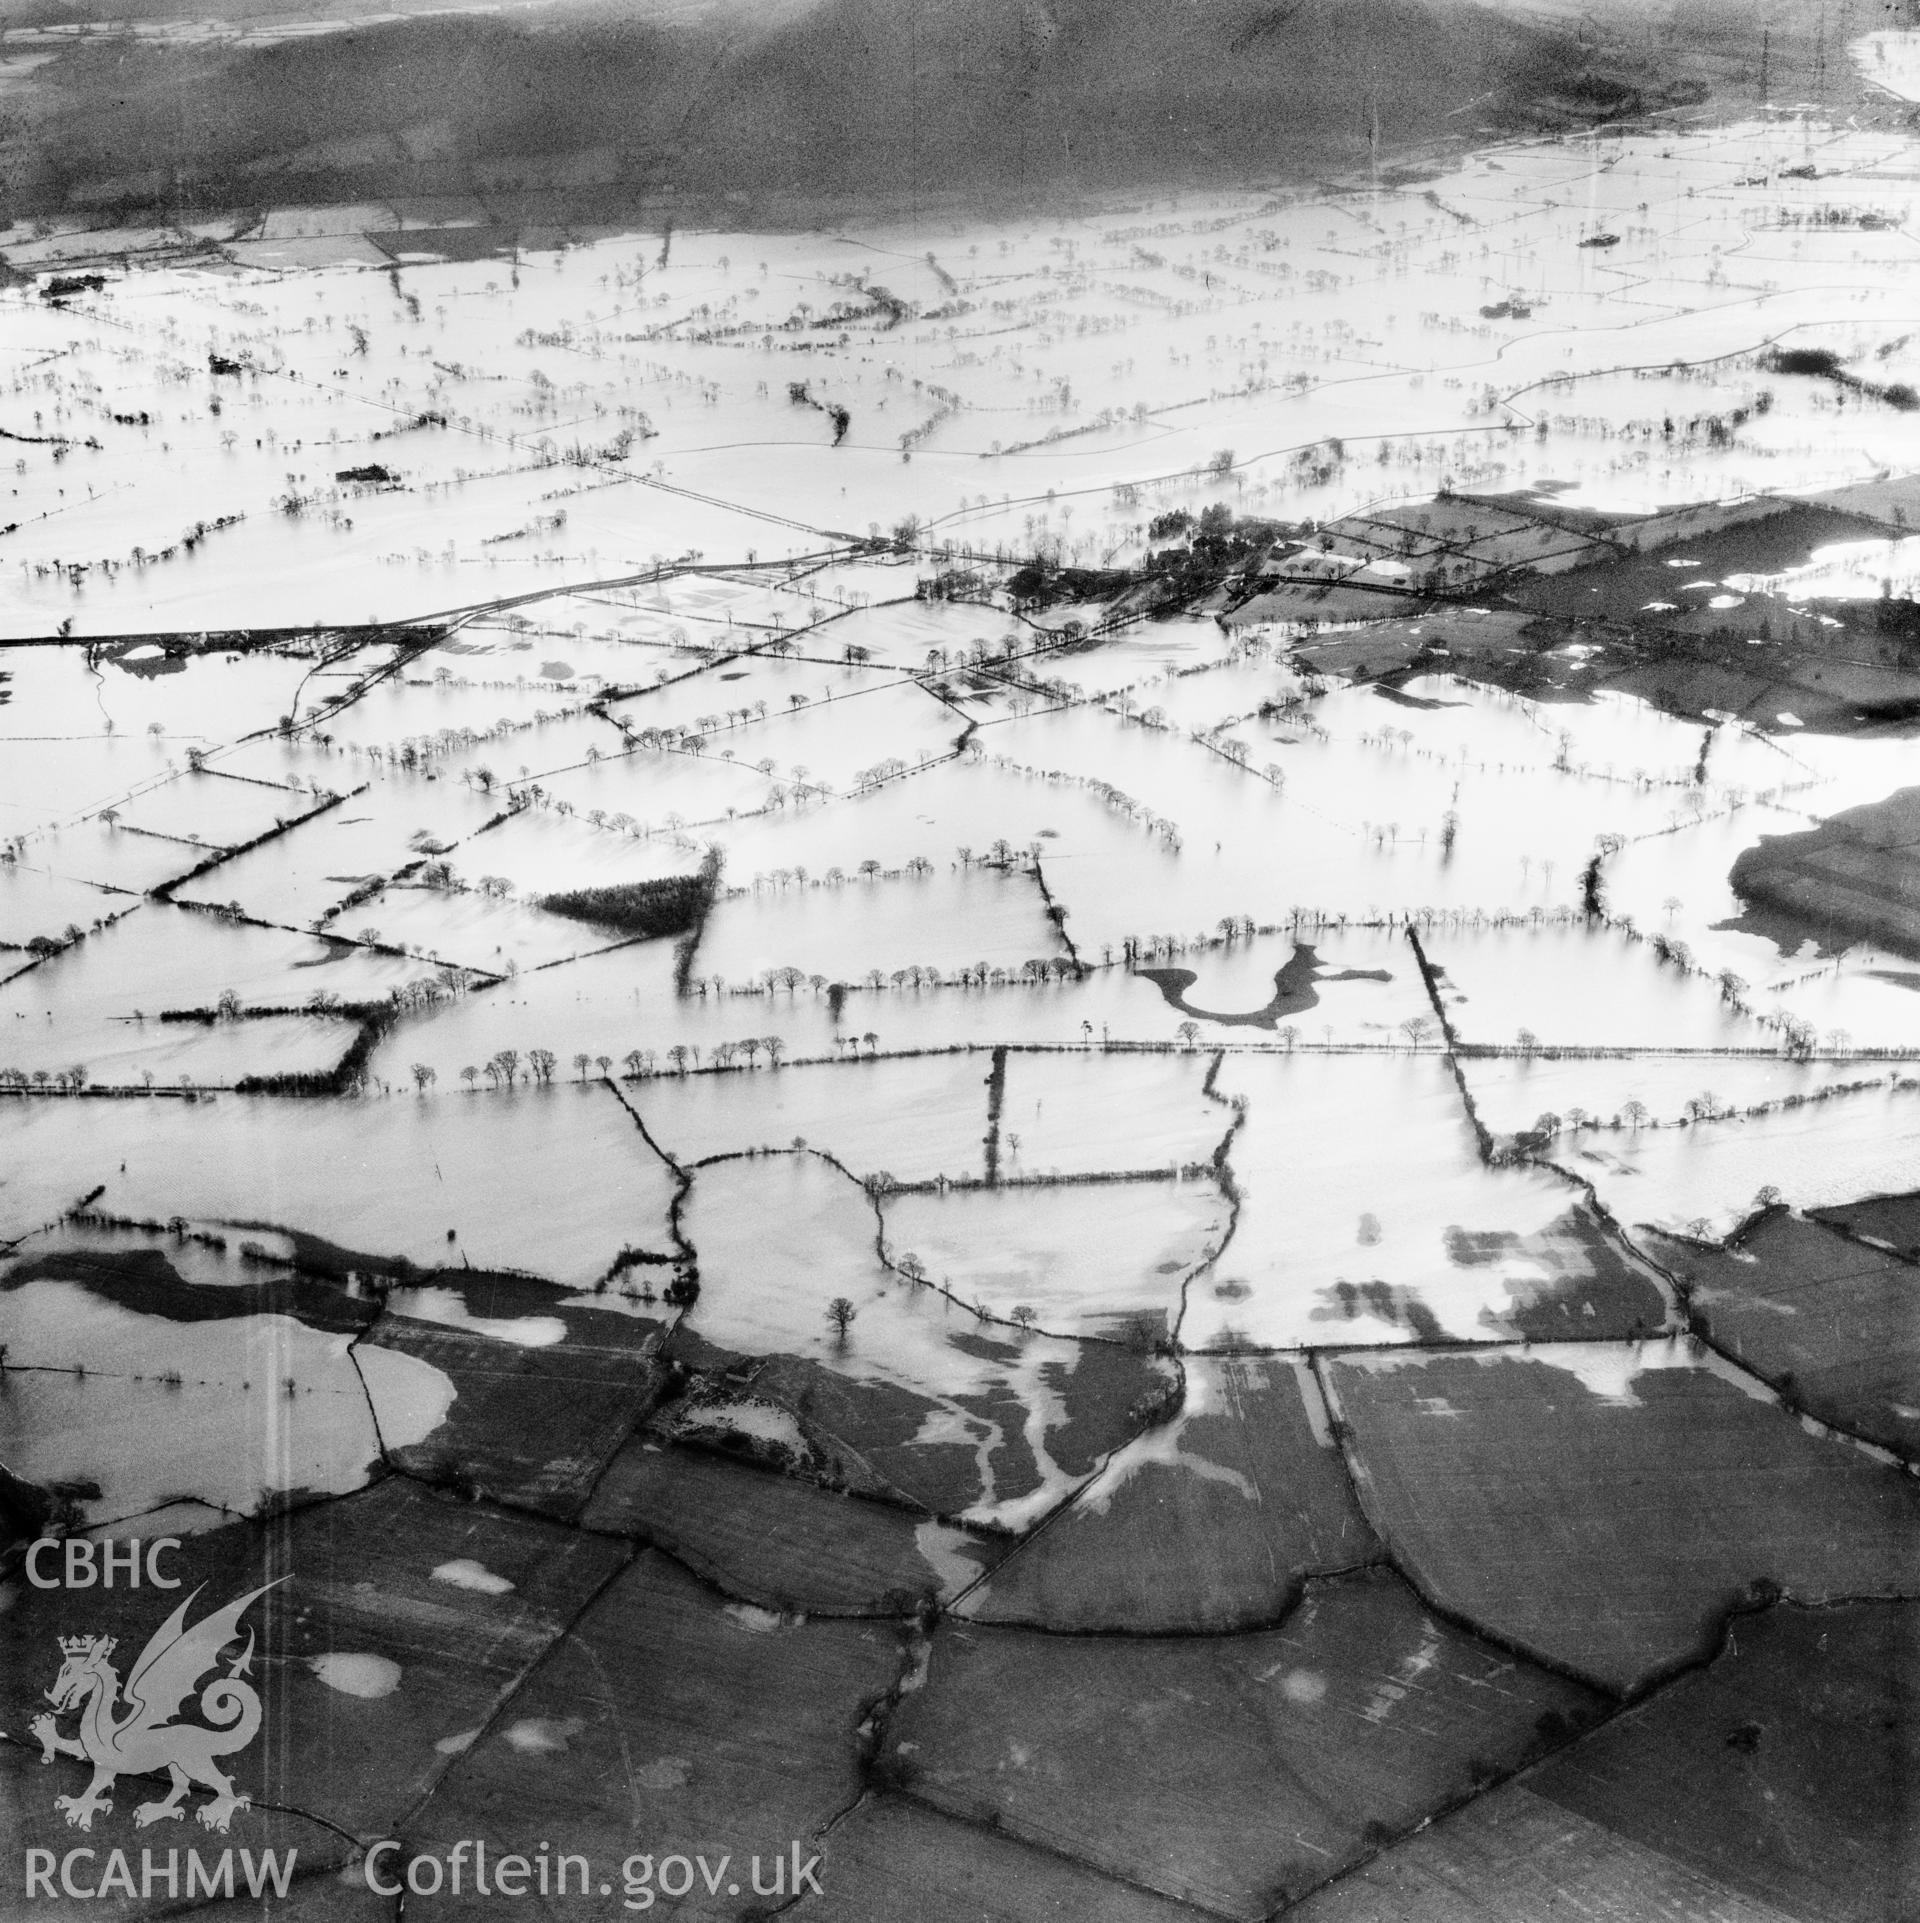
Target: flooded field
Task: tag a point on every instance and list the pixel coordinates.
(936, 963)
(396, 440)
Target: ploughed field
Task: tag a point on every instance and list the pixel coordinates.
(868, 1135)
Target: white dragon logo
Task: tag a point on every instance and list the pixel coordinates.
(136, 1735)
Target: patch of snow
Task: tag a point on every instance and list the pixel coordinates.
(543, 1735)
(761, 1622)
(354, 1673)
(464, 1573)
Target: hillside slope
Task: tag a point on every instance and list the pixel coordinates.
(857, 100)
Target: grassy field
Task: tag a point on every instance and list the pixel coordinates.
(892, 1855)
(781, 1543)
(1512, 1856)
(27, 1785)
(1827, 1320)
(1892, 1219)
(1605, 1506)
(1209, 1524)
(382, 1575)
(1233, 1772)
(530, 1426)
(1783, 1772)
(667, 1713)
(1855, 875)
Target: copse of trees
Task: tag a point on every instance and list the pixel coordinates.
(671, 905)
(1188, 557)
(1044, 583)
(1214, 535)
(1822, 363)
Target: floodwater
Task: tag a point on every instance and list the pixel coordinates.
(135, 1411)
(551, 1181)
(1086, 979)
(1014, 430)
(990, 1387)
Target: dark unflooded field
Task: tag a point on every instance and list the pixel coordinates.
(1681, 570)
(667, 1710)
(1517, 1485)
(1854, 876)
(894, 1851)
(1830, 1320)
(782, 1544)
(1783, 1771)
(1225, 1772)
(1212, 1524)
(386, 1649)
(1775, 1782)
